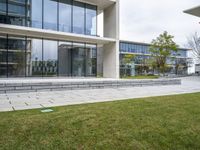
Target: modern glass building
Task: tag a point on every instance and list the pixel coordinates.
(58, 15)
(42, 38)
(142, 56)
(53, 38)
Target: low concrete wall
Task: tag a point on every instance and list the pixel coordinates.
(81, 85)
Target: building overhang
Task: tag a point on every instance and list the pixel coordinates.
(193, 11)
(101, 4)
(53, 35)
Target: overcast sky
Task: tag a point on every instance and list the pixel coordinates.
(143, 20)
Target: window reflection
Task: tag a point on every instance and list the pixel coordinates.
(91, 13)
(36, 13)
(34, 60)
(62, 15)
(2, 11)
(65, 58)
(91, 60)
(16, 56)
(30, 57)
(50, 58)
(78, 59)
(65, 15)
(78, 18)
(3, 55)
(50, 14)
(17, 13)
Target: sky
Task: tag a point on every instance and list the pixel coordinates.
(144, 20)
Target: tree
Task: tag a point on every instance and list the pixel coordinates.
(194, 43)
(161, 49)
(127, 60)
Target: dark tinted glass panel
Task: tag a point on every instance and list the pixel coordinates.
(78, 18)
(3, 6)
(50, 61)
(2, 11)
(64, 58)
(65, 15)
(91, 20)
(3, 55)
(91, 53)
(16, 13)
(78, 59)
(16, 56)
(36, 13)
(50, 14)
(34, 59)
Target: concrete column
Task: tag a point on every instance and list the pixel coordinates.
(111, 60)
(111, 50)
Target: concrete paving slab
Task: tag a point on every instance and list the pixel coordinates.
(22, 101)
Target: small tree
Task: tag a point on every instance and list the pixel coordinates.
(194, 43)
(161, 49)
(126, 61)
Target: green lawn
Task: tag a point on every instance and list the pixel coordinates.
(170, 122)
(142, 77)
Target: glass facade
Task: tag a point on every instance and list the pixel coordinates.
(57, 15)
(142, 56)
(31, 57)
(144, 49)
(65, 15)
(78, 18)
(50, 14)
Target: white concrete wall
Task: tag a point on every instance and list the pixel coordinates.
(111, 50)
(111, 60)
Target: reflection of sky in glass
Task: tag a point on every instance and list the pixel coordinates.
(91, 21)
(36, 13)
(36, 49)
(78, 18)
(50, 50)
(50, 14)
(65, 17)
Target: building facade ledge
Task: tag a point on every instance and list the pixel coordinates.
(53, 35)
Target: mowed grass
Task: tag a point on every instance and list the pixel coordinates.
(169, 122)
(143, 77)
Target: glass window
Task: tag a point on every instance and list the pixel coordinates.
(50, 14)
(36, 13)
(65, 15)
(34, 57)
(78, 59)
(50, 58)
(17, 13)
(16, 56)
(64, 58)
(91, 60)
(3, 55)
(2, 11)
(78, 18)
(91, 20)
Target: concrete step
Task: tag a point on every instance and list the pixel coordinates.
(36, 86)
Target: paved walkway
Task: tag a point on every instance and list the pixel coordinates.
(21, 101)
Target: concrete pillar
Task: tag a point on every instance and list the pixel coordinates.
(111, 60)
(111, 50)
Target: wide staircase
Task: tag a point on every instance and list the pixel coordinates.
(55, 84)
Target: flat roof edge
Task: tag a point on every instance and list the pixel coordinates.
(147, 44)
